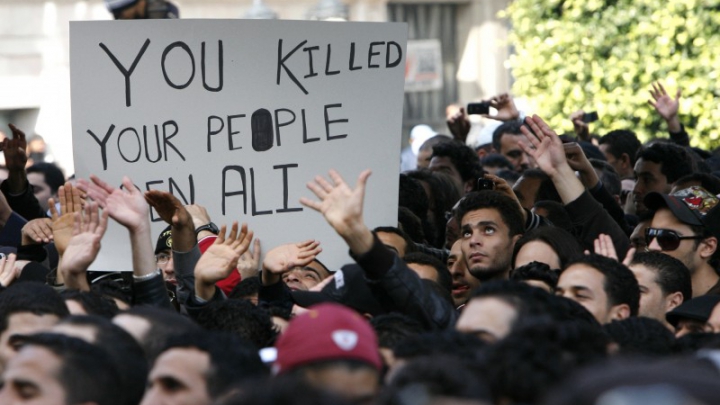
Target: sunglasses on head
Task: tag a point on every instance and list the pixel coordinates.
(667, 239)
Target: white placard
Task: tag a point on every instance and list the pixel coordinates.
(237, 116)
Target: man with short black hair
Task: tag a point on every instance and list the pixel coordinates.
(490, 224)
(27, 308)
(201, 367)
(57, 369)
(657, 167)
(395, 239)
(606, 288)
(458, 161)
(505, 142)
(430, 268)
(620, 147)
(664, 282)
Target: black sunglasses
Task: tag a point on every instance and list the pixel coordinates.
(667, 239)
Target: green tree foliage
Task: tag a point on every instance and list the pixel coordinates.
(603, 55)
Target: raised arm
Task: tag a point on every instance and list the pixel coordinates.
(83, 247)
(549, 154)
(284, 258)
(127, 207)
(220, 259)
(666, 106)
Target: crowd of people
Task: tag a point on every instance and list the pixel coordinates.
(534, 268)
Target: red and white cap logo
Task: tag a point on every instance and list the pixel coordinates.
(345, 339)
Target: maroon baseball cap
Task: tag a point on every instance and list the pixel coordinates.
(326, 332)
(693, 206)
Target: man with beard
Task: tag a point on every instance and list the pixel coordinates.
(490, 224)
(463, 281)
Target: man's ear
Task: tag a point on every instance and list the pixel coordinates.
(673, 301)
(625, 159)
(708, 247)
(619, 312)
(469, 185)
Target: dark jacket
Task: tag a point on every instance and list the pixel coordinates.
(590, 220)
(398, 288)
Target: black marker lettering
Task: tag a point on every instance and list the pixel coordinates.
(371, 54)
(262, 130)
(174, 186)
(152, 210)
(103, 144)
(278, 124)
(126, 72)
(352, 58)
(230, 118)
(328, 121)
(281, 64)
(328, 72)
(311, 70)
(255, 212)
(210, 131)
(220, 67)
(285, 189)
(240, 170)
(304, 123)
(167, 50)
(397, 61)
(166, 139)
(137, 138)
(157, 141)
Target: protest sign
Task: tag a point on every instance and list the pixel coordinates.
(237, 116)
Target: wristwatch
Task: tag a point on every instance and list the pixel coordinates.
(210, 227)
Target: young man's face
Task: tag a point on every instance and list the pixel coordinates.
(489, 318)
(305, 278)
(687, 252)
(179, 377)
(394, 242)
(586, 286)
(40, 188)
(22, 323)
(445, 165)
(164, 260)
(463, 281)
(510, 149)
(32, 378)
(653, 302)
(486, 244)
(649, 178)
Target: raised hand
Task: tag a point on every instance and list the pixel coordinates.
(284, 258)
(582, 130)
(250, 261)
(459, 124)
(37, 231)
(341, 206)
(579, 162)
(199, 215)
(502, 186)
(71, 201)
(83, 247)
(170, 209)
(665, 105)
(8, 271)
(15, 150)
(220, 259)
(604, 247)
(127, 206)
(544, 145)
(505, 106)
